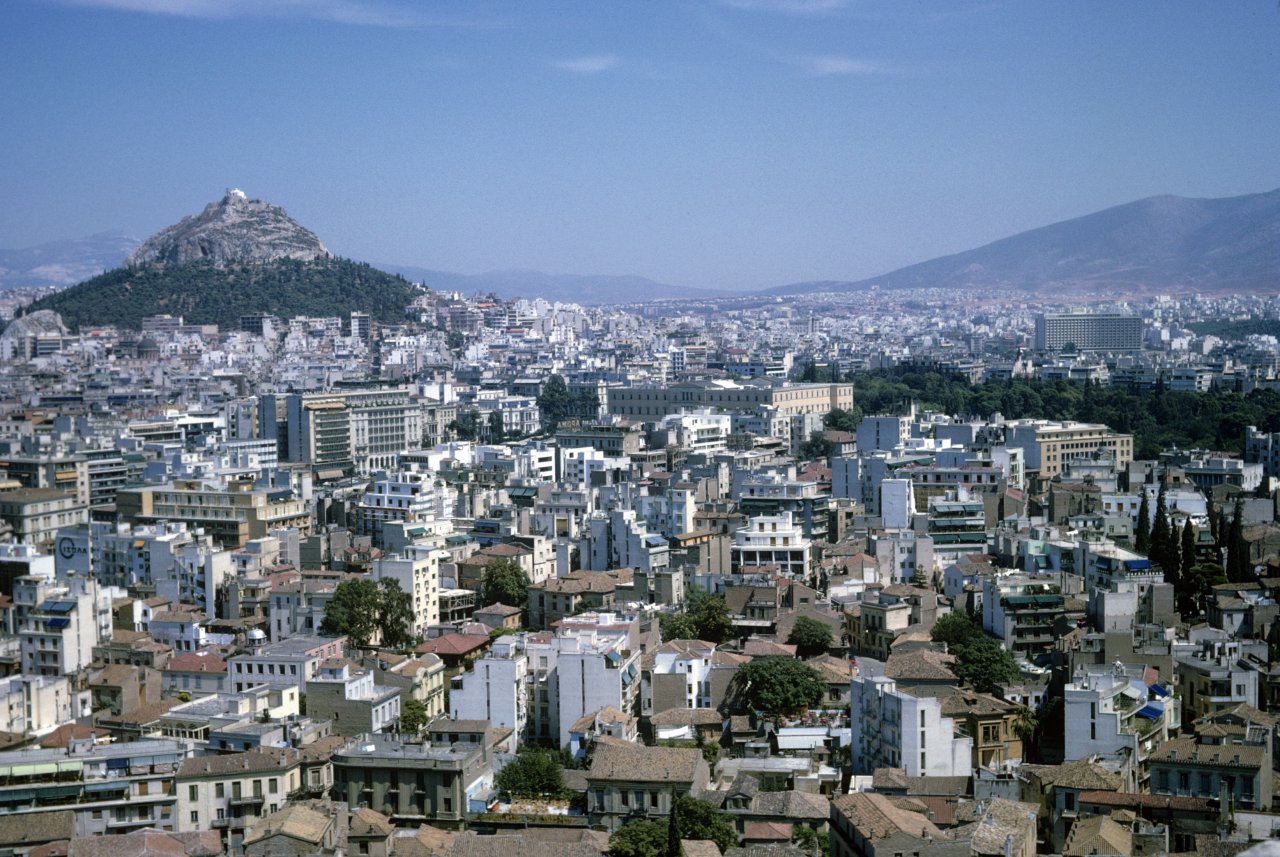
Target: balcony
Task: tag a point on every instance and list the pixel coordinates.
(247, 800)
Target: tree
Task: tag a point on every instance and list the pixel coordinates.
(504, 582)
(778, 685)
(395, 615)
(710, 616)
(554, 402)
(533, 773)
(1188, 548)
(1238, 569)
(981, 662)
(810, 637)
(817, 446)
(1025, 726)
(697, 819)
(838, 419)
(413, 715)
(1142, 534)
(353, 611)
(677, 626)
(639, 837)
(810, 841)
(1199, 584)
(496, 433)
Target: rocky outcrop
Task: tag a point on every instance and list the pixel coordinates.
(235, 230)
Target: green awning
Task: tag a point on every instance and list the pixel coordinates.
(57, 791)
(43, 769)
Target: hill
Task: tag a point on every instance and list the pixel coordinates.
(61, 263)
(205, 293)
(238, 256)
(1165, 243)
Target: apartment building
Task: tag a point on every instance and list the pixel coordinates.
(653, 403)
(411, 782)
(231, 514)
(230, 792)
(890, 728)
(110, 788)
(348, 695)
(288, 663)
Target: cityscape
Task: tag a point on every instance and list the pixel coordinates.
(786, 551)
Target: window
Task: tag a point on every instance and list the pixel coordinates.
(195, 817)
(273, 786)
(626, 798)
(220, 790)
(193, 793)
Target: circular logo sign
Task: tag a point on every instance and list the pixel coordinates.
(66, 547)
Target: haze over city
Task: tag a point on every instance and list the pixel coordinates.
(724, 144)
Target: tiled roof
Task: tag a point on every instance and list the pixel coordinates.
(296, 821)
(264, 760)
(635, 763)
(368, 822)
(148, 843)
(1183, 750)
(687, 717)
(920, 665)
(1082, 774)
(875, 817)
(36, 827)
(766, 831)
(1098, 834)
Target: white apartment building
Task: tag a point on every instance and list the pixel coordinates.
(772, 540)
(288, 663)
(1110, 708)
(417, 570)
(890, 728)
(496, 689)
(594, 670)
(407, 496)
(60, 624)
(349, 697)
(37, 704)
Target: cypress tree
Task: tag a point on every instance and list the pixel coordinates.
(1188, 549)
(1237, 550)
(1223, 532)
(1142, 535)
(1211, 511)
(1163, 551)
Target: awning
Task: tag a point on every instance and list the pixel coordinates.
(1151, 711)
(1159, 691)
(44, 769)
(117, 786)
(57, 791)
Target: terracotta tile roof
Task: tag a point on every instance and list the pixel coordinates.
(296, 821)
(453, 644)
(36, 827)
(875, 817)
(1082, 774)
(1183, 750)
(687, 717)
(148, 843)
(1128, 800)
(265, 760)
(766, 831)
(365, 822)
(636, 763)
(920, 665)
(1098, 834)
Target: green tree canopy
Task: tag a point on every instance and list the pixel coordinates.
(981, 662)
(504, 582)
(838, 419)
(555, 402)
(1199, 584)
(705, 617)
(353, 611)
(778, 685)
(690, 819)
(533, 773)
(817, 446)
(395, 615)
(640, 837)
(810, 636)
(413, 715)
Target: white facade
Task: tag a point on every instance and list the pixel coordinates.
(495, 689)
(417, 571)
(772, 540)
(890, 728)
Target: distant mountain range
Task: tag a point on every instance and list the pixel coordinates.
(61, 263)
(1165, 243)
(585, 289)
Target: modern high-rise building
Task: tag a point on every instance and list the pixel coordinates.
(1088, 332)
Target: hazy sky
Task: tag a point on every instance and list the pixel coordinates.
(722, 143)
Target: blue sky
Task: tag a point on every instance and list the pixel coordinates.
(713, 143)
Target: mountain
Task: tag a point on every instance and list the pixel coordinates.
(238, 256)
(235, 230)
(61, 263)
(587, 289)
(1165, 243)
